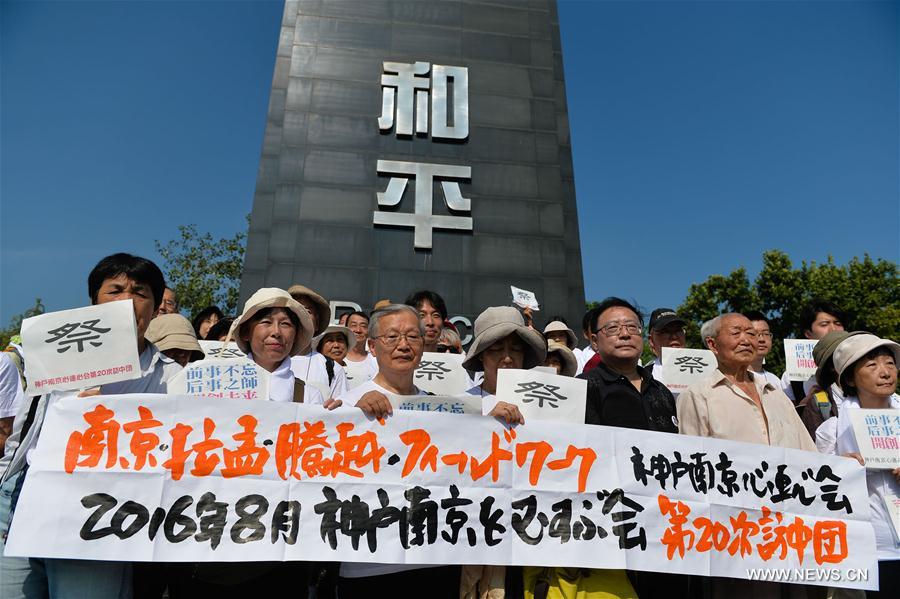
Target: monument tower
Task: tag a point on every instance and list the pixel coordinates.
(413, 145)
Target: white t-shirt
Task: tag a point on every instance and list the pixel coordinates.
(361, 371)
(357, 569)
(11, 393)
(313, 370)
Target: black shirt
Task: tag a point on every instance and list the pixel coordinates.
(613, 401)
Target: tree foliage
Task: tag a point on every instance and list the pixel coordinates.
(203, 270)
(15, 323)
(869, 290)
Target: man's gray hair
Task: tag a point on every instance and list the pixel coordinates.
(711, 328)
(391, 309)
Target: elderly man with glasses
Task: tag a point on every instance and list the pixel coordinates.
(396, 339)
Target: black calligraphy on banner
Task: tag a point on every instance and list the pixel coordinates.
(540, 392)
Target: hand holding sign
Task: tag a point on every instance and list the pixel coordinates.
(76, 349)
(524, 299)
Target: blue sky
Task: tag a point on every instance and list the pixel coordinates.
(704, 133)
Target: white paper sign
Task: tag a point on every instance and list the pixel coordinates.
(228, 378)
(218, 349)
(187, 479)
(524, 299)
(878, 436)
(682, 367)
(893, 508)
(441, 374)
(81, 348)
(447, 404)
(543, 396)
(798, 358)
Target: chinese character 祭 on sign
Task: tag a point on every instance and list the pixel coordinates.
(78, 333)
(432, 370)
(541, 392)
(690, 364)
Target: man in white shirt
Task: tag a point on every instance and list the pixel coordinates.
(117, 277)
(11, 396)
(763, 346)
(397, 340)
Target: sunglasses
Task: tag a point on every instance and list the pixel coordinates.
(446, 349)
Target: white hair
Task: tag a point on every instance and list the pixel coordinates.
(711, 328)
(377, 315)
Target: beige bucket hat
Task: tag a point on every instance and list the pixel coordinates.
(272, 297)
(173, 331)
(497, 323)
(323, 308)
(349, 336)
(568, 359)
(571, 337)
(855, 347)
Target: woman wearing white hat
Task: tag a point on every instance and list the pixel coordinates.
(502, 341)
(867, 374)
(335, 342)
(272, 328)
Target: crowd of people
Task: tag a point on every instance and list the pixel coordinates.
(289, 333)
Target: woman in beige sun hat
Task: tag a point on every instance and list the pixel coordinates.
(558, 331)
(502, 341)
(173, 335)
(272, 328)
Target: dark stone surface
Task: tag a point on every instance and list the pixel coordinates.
(316, 188)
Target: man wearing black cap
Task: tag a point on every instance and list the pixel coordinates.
(666, 330)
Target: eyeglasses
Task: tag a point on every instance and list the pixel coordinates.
(613, 329)
(393, 339)
(446, 349)
(765, 334)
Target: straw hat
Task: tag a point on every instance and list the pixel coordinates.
(855, 347)
(497, 323)
(323, 308)
(568, 359)
(272, 297)
(349, 336)
(173, 331)
(571, 338)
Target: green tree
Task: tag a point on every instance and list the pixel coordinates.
(869, 290)
(203, 270)
(15, 323)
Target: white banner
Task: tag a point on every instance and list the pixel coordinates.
(878, 437)
(542, 395)
(228, 378)
(442, 374)
(798, 359)
(169, 478)
(682, 367)
(81, 348)
(218, 349)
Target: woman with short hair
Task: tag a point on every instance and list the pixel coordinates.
(866, 367)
